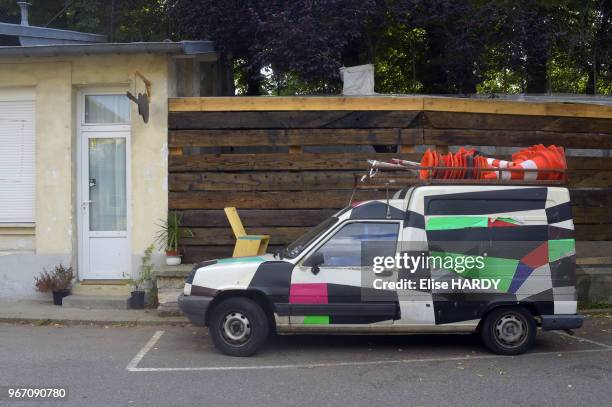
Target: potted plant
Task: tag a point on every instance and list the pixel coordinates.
(168, 237)
(137, 300)
(58, 281)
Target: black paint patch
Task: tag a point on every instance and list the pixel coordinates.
(555, 233)
(338, 319)
(273, 278)
(384, 310)
(414, 220)
(543, 302)
(486, 202)
(341, 293)
(460, 306)
(376, 210)
(563, 271)
(510, 234)
(203, 291)
(559, 213)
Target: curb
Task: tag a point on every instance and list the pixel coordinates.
(171, 321)
(47, 321)
(596, 311)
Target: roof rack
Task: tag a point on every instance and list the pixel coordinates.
(375, 179)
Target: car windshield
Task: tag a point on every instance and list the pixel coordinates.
(295, 248)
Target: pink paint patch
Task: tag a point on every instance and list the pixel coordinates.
(308, 293)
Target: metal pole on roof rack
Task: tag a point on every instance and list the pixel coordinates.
(388, 215)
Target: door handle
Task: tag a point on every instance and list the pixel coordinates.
(85, 204)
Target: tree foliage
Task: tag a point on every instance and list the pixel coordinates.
(428, 46)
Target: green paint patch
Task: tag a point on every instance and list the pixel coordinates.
(456, 222)
(560, 248)
(241, 259)
(316, 320)
(492, 267)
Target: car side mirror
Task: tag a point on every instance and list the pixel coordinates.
(314, 262)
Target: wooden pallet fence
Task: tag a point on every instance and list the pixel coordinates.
(221, 155)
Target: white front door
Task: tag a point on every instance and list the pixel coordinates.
(104, 181)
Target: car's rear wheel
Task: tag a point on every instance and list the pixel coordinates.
(238, 326)
(509, 330)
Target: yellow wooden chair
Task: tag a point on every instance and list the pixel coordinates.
(246, 245)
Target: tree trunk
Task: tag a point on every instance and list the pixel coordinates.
(253, 81)
(537, 73)
(590, 86)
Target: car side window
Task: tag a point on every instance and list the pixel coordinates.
(344, 248)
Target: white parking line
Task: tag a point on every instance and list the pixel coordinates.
(581, 339)
(143, 351)
(133, 365)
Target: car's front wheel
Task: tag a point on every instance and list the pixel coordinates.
(509, 330)
(238, 326)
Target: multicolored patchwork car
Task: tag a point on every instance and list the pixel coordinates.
(523, 275)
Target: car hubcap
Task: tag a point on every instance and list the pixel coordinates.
(236, 328)
(511, 330)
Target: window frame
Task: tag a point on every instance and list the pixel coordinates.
(330, 235)
(109, 91)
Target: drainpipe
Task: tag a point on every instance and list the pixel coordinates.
(24, 12)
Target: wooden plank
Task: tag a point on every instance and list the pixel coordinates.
(516, 138)
(256, 217)
(591, 214)
(331, 119)
(516, 107)
(317, 180)
(591, 197)
(293, 137)
(431, 103)
(261, 181)
(267, 200)
(224, 236)
(593, 232)
(279, 162)
(323, 161)
(196, 254)
(474, 121)
(590, 248)
(590, 178)
(280, 103)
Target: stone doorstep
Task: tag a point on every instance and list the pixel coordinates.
(170, 282)
(96, 301)
(182, 270)
(85, 289)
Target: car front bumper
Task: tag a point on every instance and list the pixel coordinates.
(561, 322)
(194, 307)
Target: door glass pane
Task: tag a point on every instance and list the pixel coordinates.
(107, 109)
(344, 248)
(107, 210)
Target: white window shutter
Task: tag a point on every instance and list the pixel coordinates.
(17, 156)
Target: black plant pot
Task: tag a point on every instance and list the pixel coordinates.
(59, 295)
(138, 300)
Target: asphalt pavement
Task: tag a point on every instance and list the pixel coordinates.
(178, 366)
